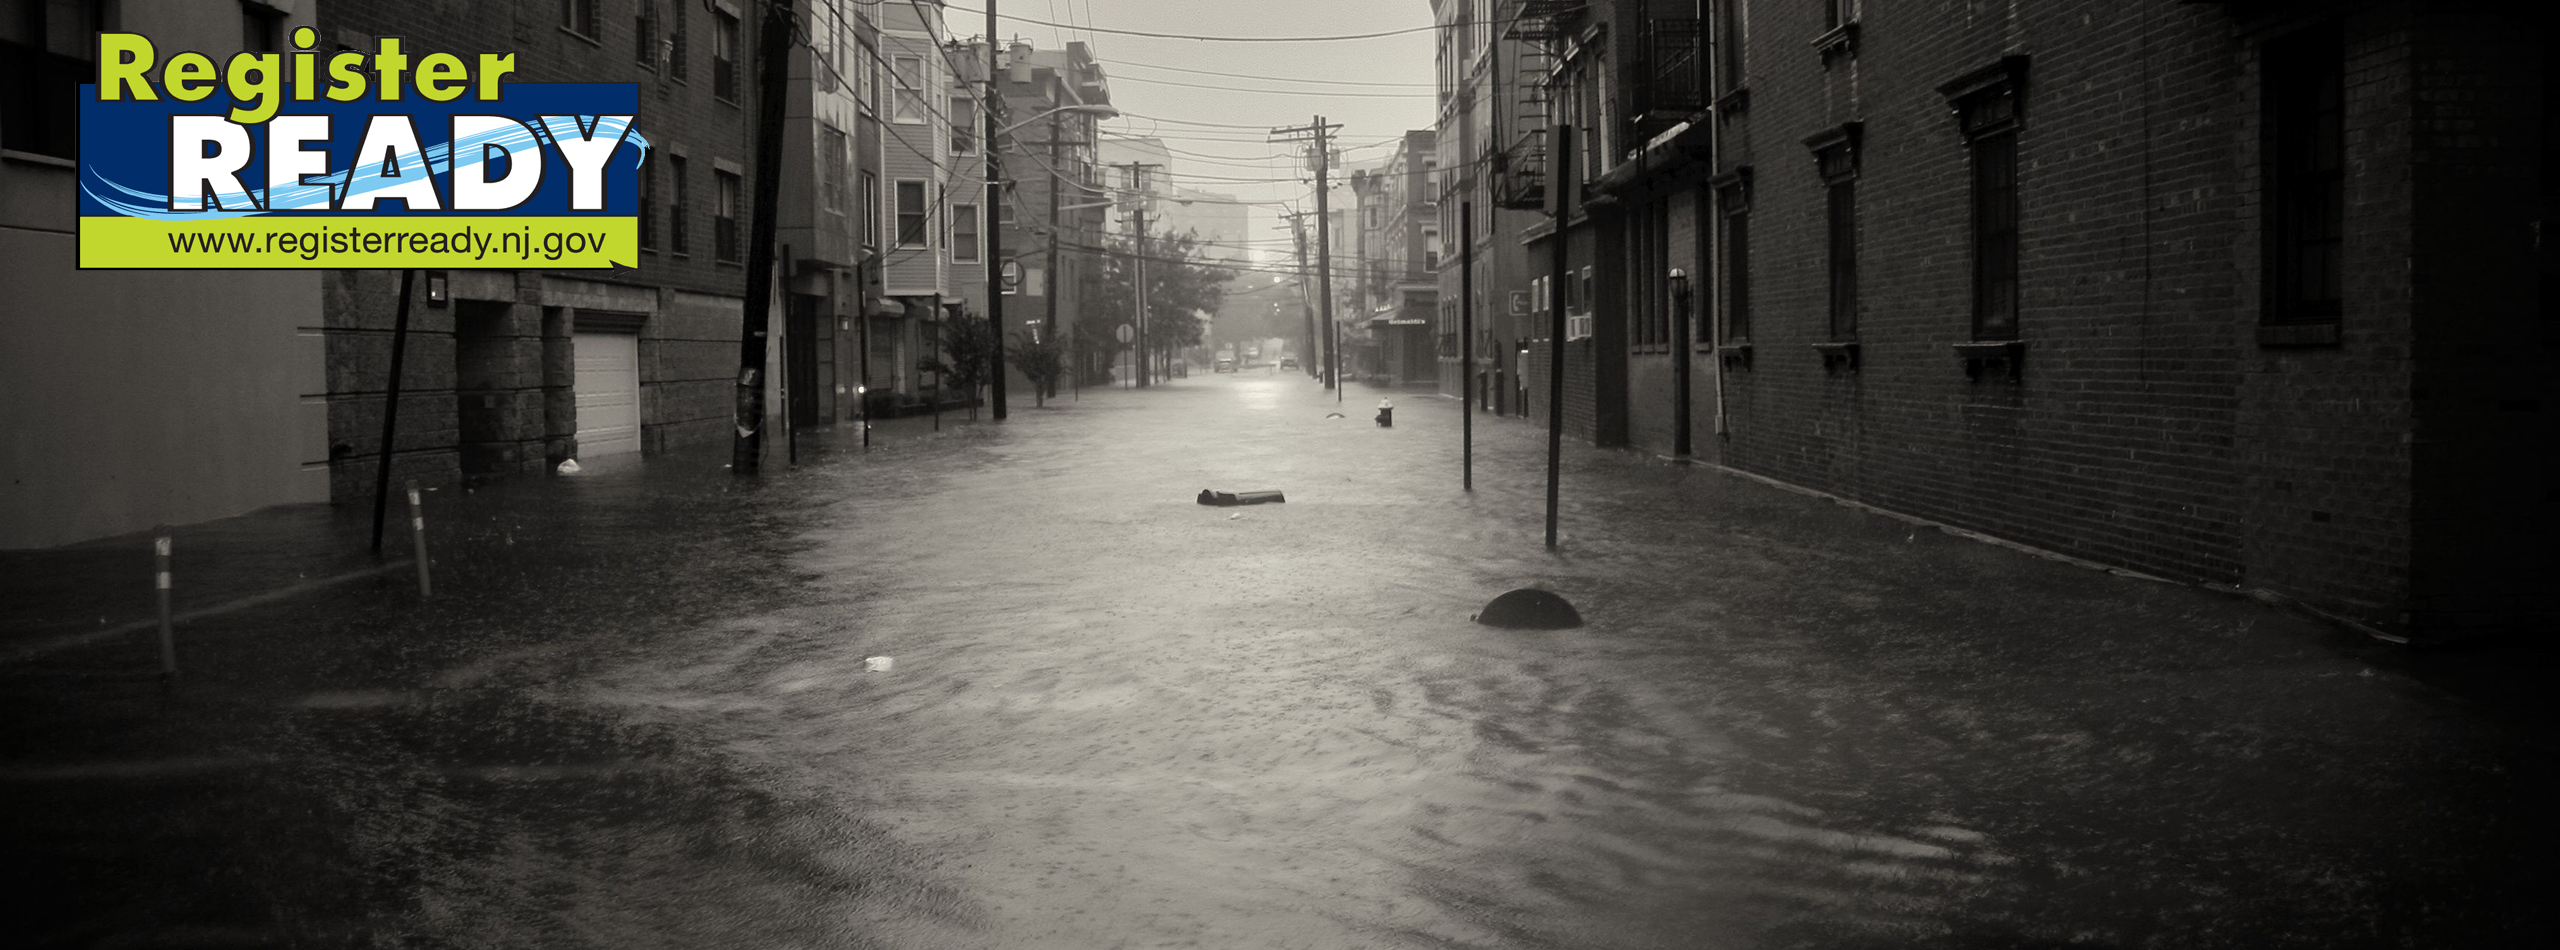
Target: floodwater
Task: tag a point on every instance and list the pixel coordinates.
(1116, 718)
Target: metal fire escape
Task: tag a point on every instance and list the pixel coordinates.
(1519, 179)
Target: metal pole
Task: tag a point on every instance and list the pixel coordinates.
(160, 593)
(994, 192)
(1680, 369)
(1467, 341)
(1138, 288)
(1562, 183)
(1324, 262)
(390, 411)
(933, 344)
(1049, 284)
(790, 425)
(773, 86)
(418, 532)
(862, 334)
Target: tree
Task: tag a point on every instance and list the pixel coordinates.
(1041, 362)
(968, 344)
(1180, 287)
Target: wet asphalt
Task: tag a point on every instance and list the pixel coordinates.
(637, 713)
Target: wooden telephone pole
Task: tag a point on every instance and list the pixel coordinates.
(1320, 156)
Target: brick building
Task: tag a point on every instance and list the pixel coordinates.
(517, 370)
(2241, 293)
(1398, 276)
(1491, 135)
(1054, 215)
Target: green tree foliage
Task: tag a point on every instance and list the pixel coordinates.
(1043, 362)
(968, 350)
(1180, 287)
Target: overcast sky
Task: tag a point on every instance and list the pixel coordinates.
(1395, 74)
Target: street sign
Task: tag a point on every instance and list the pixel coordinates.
(1125, 333)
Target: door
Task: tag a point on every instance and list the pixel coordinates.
(608, 390)
(800, 359)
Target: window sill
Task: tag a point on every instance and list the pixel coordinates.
(1733, 103)
(1841, 41)
(1980, 356)
(38, 158)
(1838, 355)
(2299, 334)
(589, 40)
(1733, 354)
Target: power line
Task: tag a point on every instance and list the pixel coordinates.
(1324, 82)
(1234, 39)
(1279, 92)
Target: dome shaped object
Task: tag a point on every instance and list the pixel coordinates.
(1529, 608)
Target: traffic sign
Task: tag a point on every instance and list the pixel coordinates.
(1126, 334)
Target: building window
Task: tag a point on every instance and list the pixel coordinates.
(644, 27)
(870, 210)
(577, 16)
(677, 45)
(826, 42)
(908, 73)
(1733, 197)
(649, 206)
(1989, 113)
(724, 56)
(1729, 51)
(2306, 178)
(679, 238)
(1835, 155)
(833, 187)
(1650, 261)
(912, 215)
(262, 27)
(727, 232)
(1370, 218)
(44, 57)
(1995, 236)
(964, 232)
(1839, 13)
(964, 126)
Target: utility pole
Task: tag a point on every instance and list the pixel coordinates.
(1561, 183)
(995, 235)
(1319, 133)
(1467, 343)
(1138, 265)
(1049, 285)
(773, 84)
(1306, 293)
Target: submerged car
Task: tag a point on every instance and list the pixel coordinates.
(1288, 362)
(1223, 365)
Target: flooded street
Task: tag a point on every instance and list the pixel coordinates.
(1116, 718)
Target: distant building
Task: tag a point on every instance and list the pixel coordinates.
(1491, 142)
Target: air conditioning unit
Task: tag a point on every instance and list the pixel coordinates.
(1577, 326)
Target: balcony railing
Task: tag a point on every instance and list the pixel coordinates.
(1673, 76)
(1519, 179)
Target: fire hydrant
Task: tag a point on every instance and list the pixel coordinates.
(1386, 414)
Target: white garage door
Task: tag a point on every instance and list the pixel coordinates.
(608, 393)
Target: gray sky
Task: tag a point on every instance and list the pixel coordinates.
(1400, 67)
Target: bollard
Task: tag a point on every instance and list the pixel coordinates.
(418, 531)
(160, 590)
